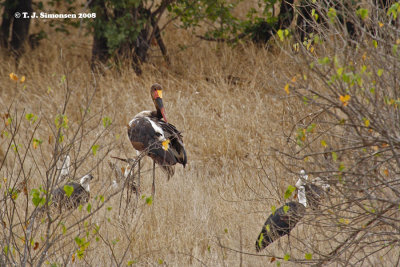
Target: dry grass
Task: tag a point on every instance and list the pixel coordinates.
(223, 194)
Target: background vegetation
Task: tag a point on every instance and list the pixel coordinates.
(319, 93)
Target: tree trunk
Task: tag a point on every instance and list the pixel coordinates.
(8, 16)
(20, 27)
(99, 47)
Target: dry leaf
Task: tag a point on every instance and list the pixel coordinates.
(13, 77)
(287, 89)
(345, 99)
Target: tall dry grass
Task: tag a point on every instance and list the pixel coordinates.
(223, 196)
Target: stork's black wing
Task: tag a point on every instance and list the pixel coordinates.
(280, 223)
(79, 196)
(175, 136)
(144, 137)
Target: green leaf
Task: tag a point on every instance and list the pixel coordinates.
(260, 240)
(61, 121)
(394, 50)
(308, 256)
(380, 72)
(286, 257)
(36, 142)
(30, 117)
(334, 156)
(160, 261)
(106, 122)
(280, 34)
(273, 209)
(79, 241)
(332, 14)
(36, 197)
(323, 143)
(394, 10)
(375, 43)
(149, 200)
(68, 190)
(362, 13)
(89, 207)
(324, 61)
(311, 127)
(268, 228)
(289, 191)
(61, 138)
(286, 208)
(94, 149)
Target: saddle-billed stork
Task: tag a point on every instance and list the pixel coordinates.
(150, 133)
(285, 218)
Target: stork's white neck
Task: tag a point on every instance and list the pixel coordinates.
(301, 190)
(85, 182)
(301, 194)
(65, 166)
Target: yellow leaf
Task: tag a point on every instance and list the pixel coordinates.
(312, 49)
(22, 79)
(364, 56)
(35, 144)
(380, 24)
(366, 122)
(345, 99)
(386, 172)
(13, 77)
(344, 221)
(287, 89)
(294, 79)
(165, 144)
(323, 143)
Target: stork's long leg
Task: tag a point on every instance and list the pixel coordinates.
(153, 188)
(138, 183)
(139, 168)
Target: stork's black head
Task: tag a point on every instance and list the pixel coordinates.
(156, 95)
